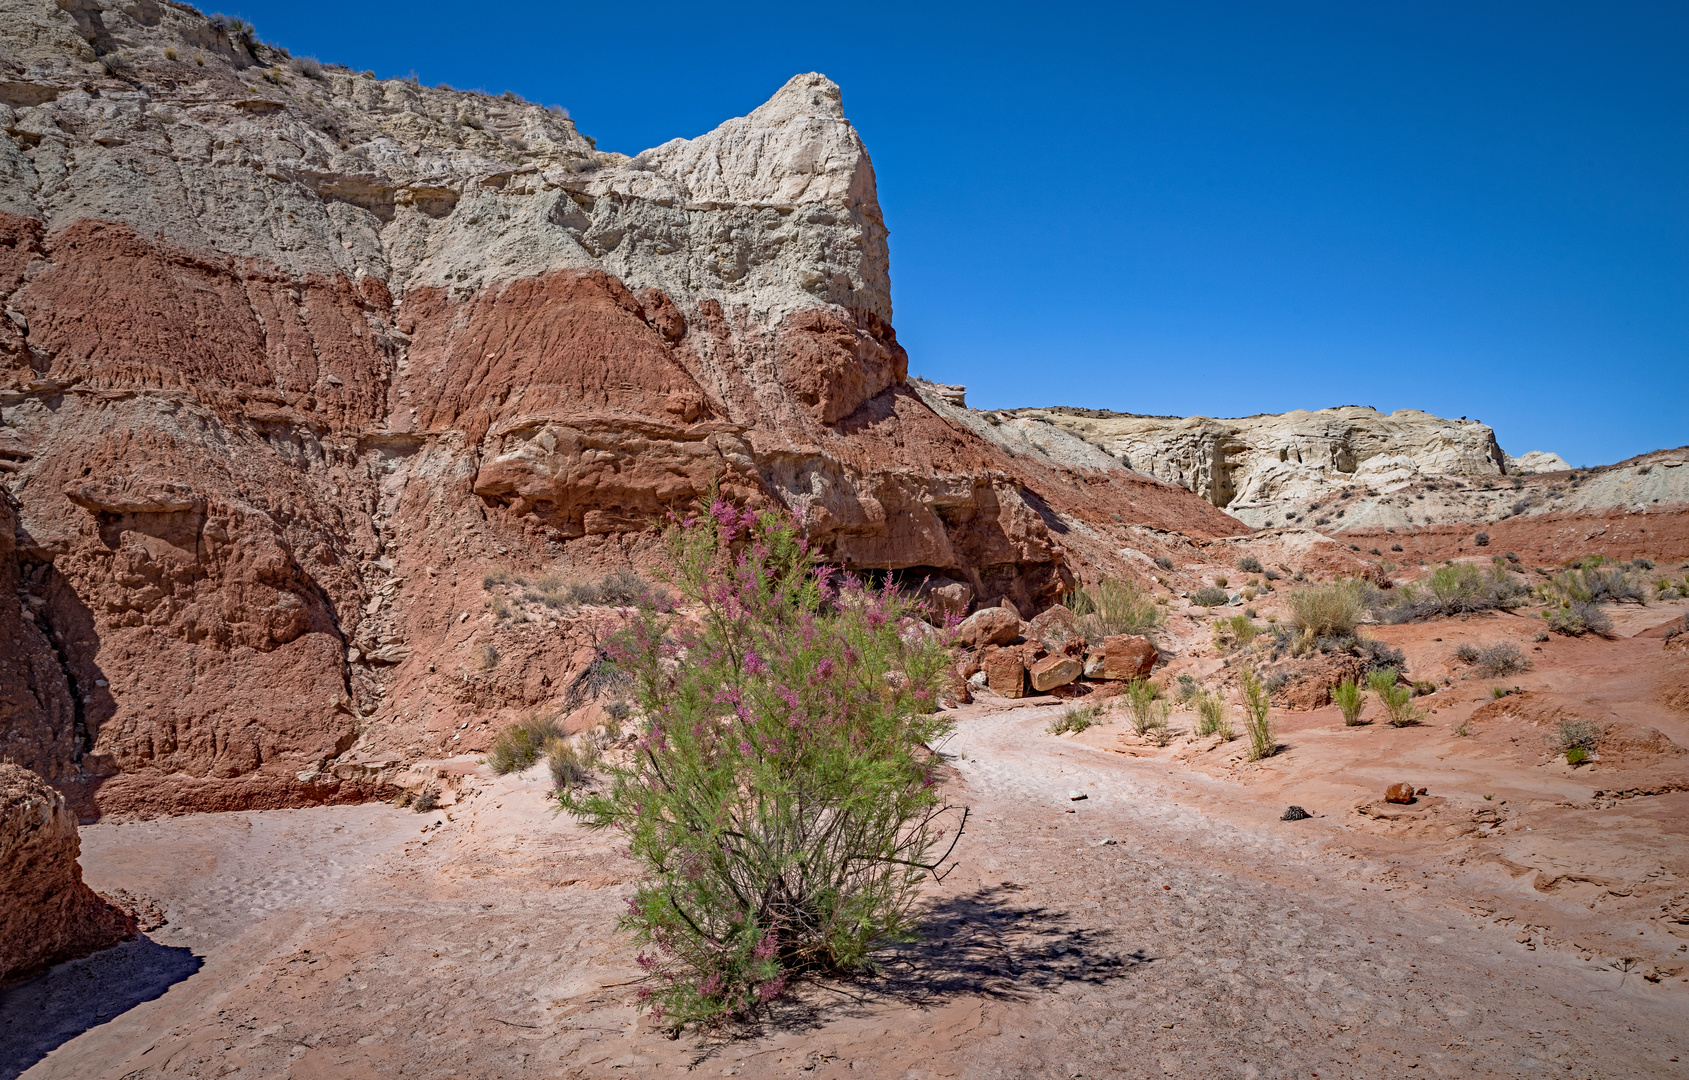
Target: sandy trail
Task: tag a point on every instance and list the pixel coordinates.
(360, 941)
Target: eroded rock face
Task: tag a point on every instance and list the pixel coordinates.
(46, 912)
(288, 364)
(1259, 466)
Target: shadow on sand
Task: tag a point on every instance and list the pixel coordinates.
(984, 945)
(38, 1016)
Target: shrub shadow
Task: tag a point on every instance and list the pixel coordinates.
(39, 1016)
(984, 944)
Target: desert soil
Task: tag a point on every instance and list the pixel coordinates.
(1211, 939)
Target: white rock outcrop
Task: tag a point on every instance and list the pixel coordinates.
(1257, 466)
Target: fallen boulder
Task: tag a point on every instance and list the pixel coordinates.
(1122, 656)
(987, 626)
(1399, 793)
(46, 913)
(1058, 630)
(1053, 671)
(1005, 674)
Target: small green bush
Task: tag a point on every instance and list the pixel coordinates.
(1455, 589)
(570, 763)
(1494, 661)
(1575, 618)
(1257, 716)
(1582, 736)
(1398, 705)
(1209, 596)
(1351, 699)
(1327, 610)
(1114, 607)
(1234, 633)
(1211, 718)
(1140, 697)
(520, 745)
(1074, 719)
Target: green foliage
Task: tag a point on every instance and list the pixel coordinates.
(1075, 719)
(1326, 610)
(1140, 697)
(1114, 607)
(1398, 705)
(1209, 596)
(519, 745)
(1211, 718)
(782, 800)
(1577, 755)
(570, 762)
(1456, 589)
(1257, 716)
(1591, 582)
(1579, 735)
(1381, 679)
(1234, 633)
(1575, 618)
(1351, 699)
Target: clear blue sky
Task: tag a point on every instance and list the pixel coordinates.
(1476, 209)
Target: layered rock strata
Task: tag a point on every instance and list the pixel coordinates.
(293, 357)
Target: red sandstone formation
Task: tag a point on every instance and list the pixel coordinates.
(49, 914)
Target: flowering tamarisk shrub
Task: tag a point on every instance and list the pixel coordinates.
(783, 801)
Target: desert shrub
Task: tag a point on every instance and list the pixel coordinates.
(1208, 596)
(1249, 564)
(170, 53)
(1220, 581)
(1272, 575)
(1188, 689)
(1482, 539)
(782, 802)
(520, 745)
(1578, 617)
(1140, 698)
(1160, 731)
(1455, 589)
(1257, 716)
(1500, 659)
(620, 588)
(1577, 739)
(1499, 692)
(425, 800)
(1397, 700)
(487, 657)
(308, 66)
(1164, 562)
(1326, 610)
(115, 64)
(1593, 583)
(1234, 633)
(1467, 654)
(1379, 679)
(1351, 699)
(1074, 719)
(1395, 547)
(1114, 607)
(570, 763)
(1211, 718)
(1423, 687)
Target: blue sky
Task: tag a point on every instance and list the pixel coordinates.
(1474, 209)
